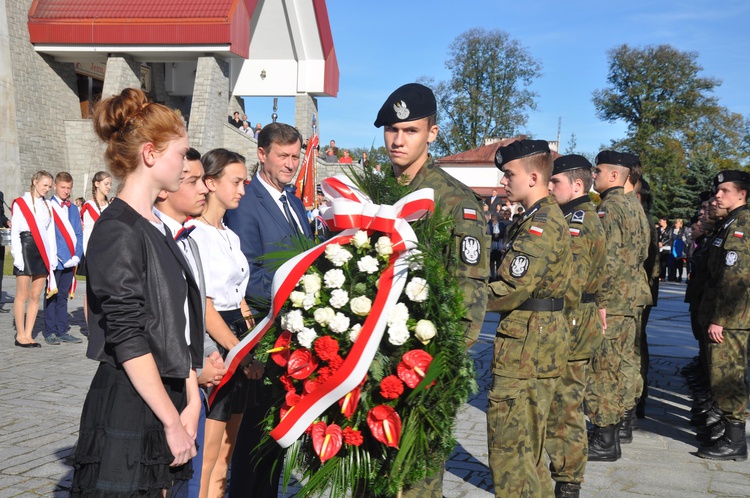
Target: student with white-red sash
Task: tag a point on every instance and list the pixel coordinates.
(69, 238)
(90, 212)
(33, 247)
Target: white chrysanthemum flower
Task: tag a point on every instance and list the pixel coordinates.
(368, 264)
(425, 331)
(384, 246)
(398, 314)
(339, 298)
(324, 315)
(337, 254)
(339, 323)
(361, 240)
(293, 321)
(309, 301)
(361, 305)
(416, 260)
(354, 332)
(334, 279)
(311, 283)
(417, 290)
(398, 334)
(306, 337)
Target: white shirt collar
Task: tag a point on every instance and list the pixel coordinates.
(173, 225)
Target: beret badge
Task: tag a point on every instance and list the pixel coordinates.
(402, 112)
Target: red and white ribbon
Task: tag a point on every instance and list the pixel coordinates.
(350, 210)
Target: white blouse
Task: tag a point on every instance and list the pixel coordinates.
(87, 221)
(42, 211)
(225, 268)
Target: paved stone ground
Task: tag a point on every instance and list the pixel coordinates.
(42, 391)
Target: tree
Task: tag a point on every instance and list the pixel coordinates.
(487, 94)
(674, 123)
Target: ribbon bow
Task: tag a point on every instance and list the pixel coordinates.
(350, 210)
(183, 233)
(65, 203)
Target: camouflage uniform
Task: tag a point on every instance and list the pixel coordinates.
(726, 302)
(531, 347)
(567, 444)
(642, 240)
(469, 262)
(608, 388)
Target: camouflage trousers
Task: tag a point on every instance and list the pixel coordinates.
(430, 487)
(636, 386)
(608, 385)
(728, 373)
(516, 430)
(567, 444)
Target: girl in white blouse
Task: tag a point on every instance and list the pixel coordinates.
(90, 212)
(32, 239)
(226, 274)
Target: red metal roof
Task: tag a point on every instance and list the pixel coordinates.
(143, 22)
(480, 155)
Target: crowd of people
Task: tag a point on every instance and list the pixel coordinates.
(191, 234)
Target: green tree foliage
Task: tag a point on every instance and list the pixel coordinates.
(675, 124)
(487, 94)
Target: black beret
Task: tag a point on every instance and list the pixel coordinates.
(570, 162)
(704, 196)
(408, 103)
(732, 175)
(617, 158)
(518, 149)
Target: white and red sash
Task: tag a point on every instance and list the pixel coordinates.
(350, 211)
(89, 208)
(62, 222)
(39, 241)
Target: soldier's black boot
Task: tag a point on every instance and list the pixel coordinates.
(710, 417)
(709, 434)
(603, 444)
(731, 446)
(625, 428)
(567, 490)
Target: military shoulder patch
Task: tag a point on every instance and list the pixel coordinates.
(601, 214)
(739, 235)
(470, 214)
(578, 216)
(540, 217)
(536, 231)
(717, 242)
(731, 258)
(519, 266)
(575, 232)
(471, 250)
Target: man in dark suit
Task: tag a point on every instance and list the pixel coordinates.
(267, 219)
(492, 200)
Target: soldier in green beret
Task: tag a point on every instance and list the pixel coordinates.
(726, 308)
(532, 342)
(567, 445)
(408, 118)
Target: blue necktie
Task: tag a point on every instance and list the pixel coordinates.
(288, 213)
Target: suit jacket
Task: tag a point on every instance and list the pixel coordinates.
(136, 295)
(63, 252)
(3, 218)
(263, 228)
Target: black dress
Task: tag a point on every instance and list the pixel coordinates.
(137, 285)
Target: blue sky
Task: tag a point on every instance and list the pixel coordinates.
(383, 44)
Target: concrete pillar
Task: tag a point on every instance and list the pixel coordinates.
(305, 107)
(10, 157)
(211, 96)
(122, 72)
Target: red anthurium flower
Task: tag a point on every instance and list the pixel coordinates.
(326, 440)
(326, 347)
(391, 387)
(280, 352)
(292, 398)
(385, 425)
(413, 367)
(301, 364)
(350, 401)
(353, 437)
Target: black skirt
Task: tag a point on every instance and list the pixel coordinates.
(233, 396)
(81, 268)
(33, 264)
(122, 449)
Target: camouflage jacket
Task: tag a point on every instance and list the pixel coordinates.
(537, 264)
(726, 301)
(470, 260)
(589, 257)
(642, 241)
(622, 286)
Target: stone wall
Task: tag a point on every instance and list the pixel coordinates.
(241, 143)
(209, 107)
(85, 155)
(45, 96)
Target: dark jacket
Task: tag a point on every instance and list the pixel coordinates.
(136, 287)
